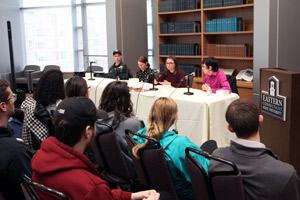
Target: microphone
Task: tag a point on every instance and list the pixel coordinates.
(177, 86)
(188, 84)
(153, 78)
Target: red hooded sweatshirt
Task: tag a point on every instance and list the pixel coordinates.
(60, 167)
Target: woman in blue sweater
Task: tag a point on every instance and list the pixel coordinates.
(162, 116)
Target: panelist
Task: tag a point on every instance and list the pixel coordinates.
(119, 70)
(214, 79)
(172, 74)
(145, 72)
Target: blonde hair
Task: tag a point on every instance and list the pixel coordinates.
(163, 115)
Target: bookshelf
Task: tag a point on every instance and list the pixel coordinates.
(210, 43)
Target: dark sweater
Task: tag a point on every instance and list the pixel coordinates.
(177, 80)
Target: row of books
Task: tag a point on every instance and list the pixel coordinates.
(177, 5)
(221, 3)
(179, 49)
(180, 27)
(187, 69)
(230, 50)
(225, 25)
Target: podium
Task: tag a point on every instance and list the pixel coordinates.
(281, 133)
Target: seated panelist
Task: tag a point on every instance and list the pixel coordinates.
(145, 72)
(119, 70)
(172, 74)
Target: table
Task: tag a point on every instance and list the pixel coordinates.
(200, 116)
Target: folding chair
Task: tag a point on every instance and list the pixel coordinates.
(225, 184)
(29, 188)
(199, 177)
(110, 159)
(138, 164)
(154, 161)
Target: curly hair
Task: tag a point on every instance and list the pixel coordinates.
(116, 97)
(50, 88)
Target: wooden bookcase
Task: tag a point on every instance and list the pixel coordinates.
(203, 38)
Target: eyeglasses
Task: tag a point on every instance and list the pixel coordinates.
(169, 63)
(13, 96)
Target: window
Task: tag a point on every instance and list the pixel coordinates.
(55, 33)
(150, 32)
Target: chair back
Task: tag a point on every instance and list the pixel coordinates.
(225, 184)
(1, 196)
(30, 187)
(30, 68)
(232, 82)
(154, 161)
(138, 164)
(199, 177)
(49, 67)
(95, 68)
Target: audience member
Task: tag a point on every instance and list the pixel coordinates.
(116, 101)
(214, 79)
(145, 73)
(119, 70)
(264, 176)
(15, 156)
(76, 87)
(172, 74)
(162, 116)
(37, 124)
(61, 164)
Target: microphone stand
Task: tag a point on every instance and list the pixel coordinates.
(188, 87)
(153, 88)
(91, 71)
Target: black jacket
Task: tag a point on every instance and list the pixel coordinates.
(15, 159)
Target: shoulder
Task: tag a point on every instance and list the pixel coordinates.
(13, 147)
(221, 73)
(133, 121)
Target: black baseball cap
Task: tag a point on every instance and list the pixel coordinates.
(76, 111)
(117, 51)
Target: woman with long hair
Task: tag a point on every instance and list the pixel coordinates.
(76, 86)
(115, 100)
(145, 73)
(172, 74)
(37, 123)
(162, 116)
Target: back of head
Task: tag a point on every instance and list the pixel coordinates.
(76, 86)
(143, 59)
(243, 116)
(71, 117)
(211, 61)
(163, 115)
(116, 97)
(50, 88)
(4, 84)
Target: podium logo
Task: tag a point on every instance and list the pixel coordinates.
(271, 102)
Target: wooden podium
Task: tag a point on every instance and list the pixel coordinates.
(282, 137)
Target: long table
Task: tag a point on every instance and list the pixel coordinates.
(200, 116)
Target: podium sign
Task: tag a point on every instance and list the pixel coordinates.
(272, 103)
(280, 130)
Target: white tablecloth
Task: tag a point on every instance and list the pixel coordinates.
(200, 116)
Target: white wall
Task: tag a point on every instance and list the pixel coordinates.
(276, 37)
(9, 11)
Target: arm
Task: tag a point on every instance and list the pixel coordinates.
(180, 80)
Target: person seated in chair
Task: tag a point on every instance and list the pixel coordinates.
(264, 176)
(115, 100)
(15, 156)
(172, 74)
(119, 70)
(214, 79)
(37, 123)
(162, 116)
(61, 164)
(145, 73)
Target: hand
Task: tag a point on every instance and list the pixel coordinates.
(165, 82)
(145, 195)
(155, 82)
(205, 87)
